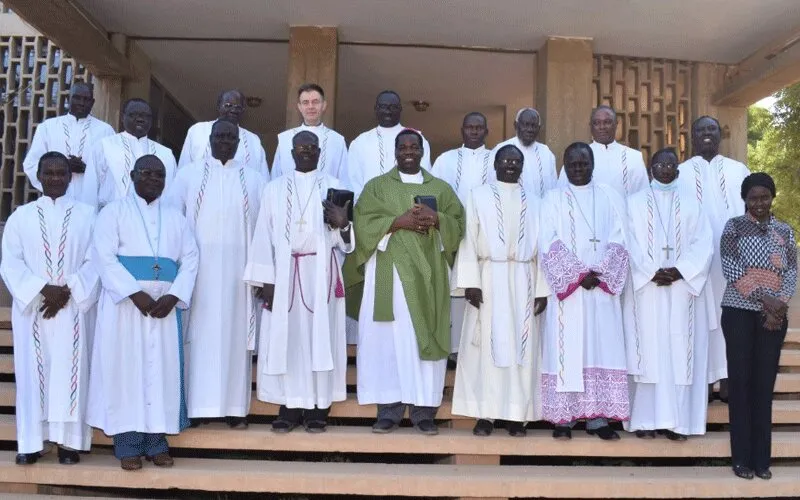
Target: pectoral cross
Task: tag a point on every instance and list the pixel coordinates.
(156, 271)
(594, 242)
(302, 222)
(667, 249)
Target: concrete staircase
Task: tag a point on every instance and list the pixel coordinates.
(350, 460)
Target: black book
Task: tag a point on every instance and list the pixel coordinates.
(340, 197)
(430, 201)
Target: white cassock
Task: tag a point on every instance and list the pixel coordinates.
(332, 151)
(584, 373)
(136, 382)
(70, 136)
(668, 351)
(385, 346)
(114, 158)
(221, 204)
(498, 371)
(463, 169)
(617, 166)
(372, 154)
(250, 152)
(717, 187)
(539, 172)
(47, 242)
(302, 353)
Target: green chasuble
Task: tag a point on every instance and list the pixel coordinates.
(419, 259)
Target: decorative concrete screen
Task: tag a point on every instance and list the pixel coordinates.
(652, 98)
(34, 85)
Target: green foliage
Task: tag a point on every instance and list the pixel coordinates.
(773, 146)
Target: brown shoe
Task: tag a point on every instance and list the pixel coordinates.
(131, 463)
(162, 460)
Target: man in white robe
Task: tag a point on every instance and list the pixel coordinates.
(300, 237)
(75, 134)
(464, 169)
(147, 259)
(220, 197)
(115, 155)
(616, 165)
(311, 104)
(670, 245)
(53, 283)
(715, 181)
(250, 153)
(372, 154)
(539, 174)
(409, 225)
(582, 255)
(497, 376)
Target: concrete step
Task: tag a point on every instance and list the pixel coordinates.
(793, 336)
(5, 338)
(331, 478)
(783, 411)
(5, 318)
(786, 382)
(360, 439)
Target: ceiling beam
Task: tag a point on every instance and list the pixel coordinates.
(772, 67)
(75, 32)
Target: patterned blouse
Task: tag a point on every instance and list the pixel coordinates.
(757, 260)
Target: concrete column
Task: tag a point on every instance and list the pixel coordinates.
(313, 58)
(708, 79)
(108, 100)
(564, 91)
(138, 84)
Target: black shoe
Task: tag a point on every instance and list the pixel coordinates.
(384, 426)
(68, 457)
(764, 473)
(646, 434)
(605, 433)
(282, 426)
(27, 458)
(452, 361)
(562, 433)
(673, 436)
(483, 428)
(743, 471)
(197, 422)
(236, 422)
(315, 426)
(427, 427)
(516, 429)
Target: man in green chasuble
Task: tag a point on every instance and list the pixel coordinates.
(398, 287)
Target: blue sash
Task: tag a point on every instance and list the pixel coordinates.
(161, 269)
(150, 269)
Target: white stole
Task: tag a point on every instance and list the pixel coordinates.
(286, 229)
(501, 260)
(248, 219)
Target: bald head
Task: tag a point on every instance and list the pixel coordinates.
(527, 124)
(81, 99)
(230, 105)
(305, 151)
(305, 137)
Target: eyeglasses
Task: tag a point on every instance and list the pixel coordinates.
(665, 165)
(306, 147)
(510, 161)
(233, 106)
